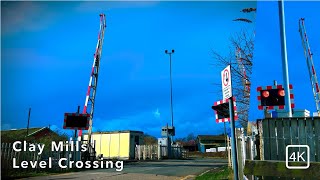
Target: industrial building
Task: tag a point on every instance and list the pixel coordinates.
(116, 144)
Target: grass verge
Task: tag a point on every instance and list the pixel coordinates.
(217, 174)
(208, 154)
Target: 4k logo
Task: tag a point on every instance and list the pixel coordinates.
(297, 156)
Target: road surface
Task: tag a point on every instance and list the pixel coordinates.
(149, 170)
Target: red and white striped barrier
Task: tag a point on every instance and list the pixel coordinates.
(260, 107)
(310, 55)
(91, 91)
(234, 108)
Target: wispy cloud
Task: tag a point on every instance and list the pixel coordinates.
(157, 114)
(24, 57)
(24, 16)
(102, 6)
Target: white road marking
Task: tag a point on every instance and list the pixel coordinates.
(204, 172)
(186, 177)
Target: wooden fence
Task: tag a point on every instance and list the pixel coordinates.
(156, 152)
(277, 133)
(146, 152)
(10, 157)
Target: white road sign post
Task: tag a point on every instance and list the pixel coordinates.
(226, 83)
(227, 94)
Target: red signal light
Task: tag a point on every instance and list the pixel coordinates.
(265, 94)
(281, 92)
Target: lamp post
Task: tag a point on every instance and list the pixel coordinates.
(170, 53)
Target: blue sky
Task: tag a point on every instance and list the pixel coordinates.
(47, 53)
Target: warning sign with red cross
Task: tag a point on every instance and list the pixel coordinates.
(226, 83)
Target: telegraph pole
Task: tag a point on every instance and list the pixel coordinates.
(171, 103)
(28, 121)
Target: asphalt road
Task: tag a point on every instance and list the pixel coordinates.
(146, 170)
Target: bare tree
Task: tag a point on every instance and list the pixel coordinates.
(149, 140)
(241, 59)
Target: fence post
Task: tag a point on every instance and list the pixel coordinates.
(147, 151)
(243, 141)
(229, 152)
(135, 156)
(150, 151)
(240, 153)
(154, 151)
(252, 148)
(139, 152)
(261, 144)
(159, 152)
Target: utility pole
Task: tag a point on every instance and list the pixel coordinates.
(171, 103)
(284, 58)
(28, 121)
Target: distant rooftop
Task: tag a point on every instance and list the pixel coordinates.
(22, 132)
(211, 137)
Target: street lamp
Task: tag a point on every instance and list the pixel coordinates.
(170, 53)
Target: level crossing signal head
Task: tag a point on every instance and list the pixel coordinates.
(222, 110)
(272, 97)
(76, 121)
